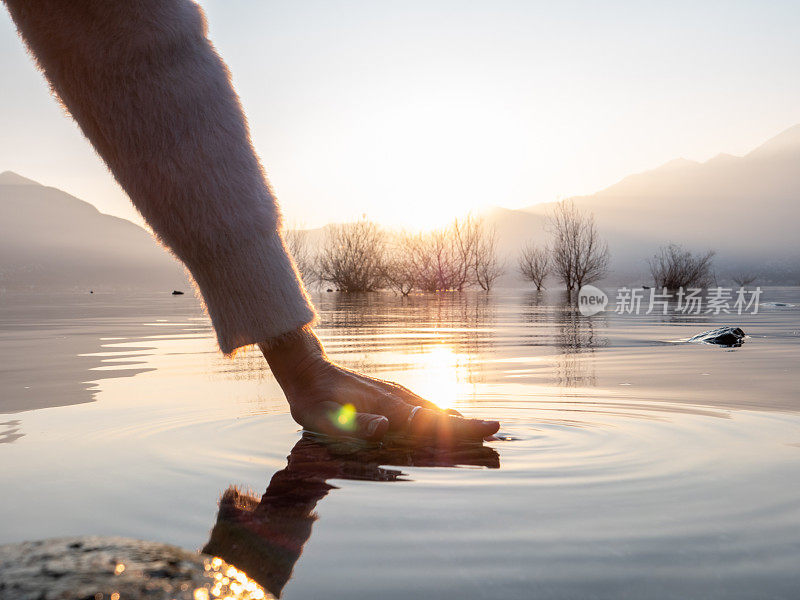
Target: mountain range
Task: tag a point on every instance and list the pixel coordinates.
(49, 239)
(743, 207)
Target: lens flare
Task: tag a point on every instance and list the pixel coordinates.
(346, 418)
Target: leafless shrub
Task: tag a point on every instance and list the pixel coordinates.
(674, 267)
(300, 250)
(534, 264)
(579, 255)
(362, 257)
(451, 258)
(486, 264)
(439, 261)
(744, 278)
(352, 257)
(464, 236)
(400, 268)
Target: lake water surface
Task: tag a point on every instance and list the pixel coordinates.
(628, 465)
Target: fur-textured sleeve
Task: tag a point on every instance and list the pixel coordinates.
(149, 91)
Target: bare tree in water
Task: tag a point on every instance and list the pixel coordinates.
(427, 261)
(440, 261)
(400, 268)
(534, 264)
(300, 250)
(579, 255)
(362, 257)
(352, 257)
(674, 267)
(486, 264)
(434, 261)
(464, 236)
(453, 257)
(744, 278)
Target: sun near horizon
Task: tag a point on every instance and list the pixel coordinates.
(417, 113)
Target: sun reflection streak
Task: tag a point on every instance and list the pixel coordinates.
(443, 375)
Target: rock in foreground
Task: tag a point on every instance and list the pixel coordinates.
(723, 336)
(86, 568)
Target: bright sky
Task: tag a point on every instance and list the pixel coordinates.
(415, 111)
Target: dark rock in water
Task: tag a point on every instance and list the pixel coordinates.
(177, 293)
(329, 290)
(723, 336)
(120, 568)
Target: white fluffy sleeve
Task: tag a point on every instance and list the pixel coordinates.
(149, 91)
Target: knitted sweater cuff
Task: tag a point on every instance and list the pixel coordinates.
(252, 292)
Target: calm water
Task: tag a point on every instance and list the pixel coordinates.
(631, 466)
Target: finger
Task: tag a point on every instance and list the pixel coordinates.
(432, 424)
(396, 410)
(370, 427)
(334, 419)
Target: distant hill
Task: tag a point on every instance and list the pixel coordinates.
(744, 207)
(515, 229)
(49, 239)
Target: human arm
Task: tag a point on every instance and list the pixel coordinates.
(149, 91)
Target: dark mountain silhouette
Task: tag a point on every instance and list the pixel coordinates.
(50, 239)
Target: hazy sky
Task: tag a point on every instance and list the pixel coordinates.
(412, 112)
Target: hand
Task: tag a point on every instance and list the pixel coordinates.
(330, 399)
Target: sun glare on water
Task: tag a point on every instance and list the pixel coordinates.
(229, 583)
(443, 376)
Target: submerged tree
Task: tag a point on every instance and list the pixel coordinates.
(486, 264)
(363, 257)
(447, 259)
(300, 250)
(744, 278)
(464, 236)
(674, 267)
(579, 255)
(440, 261)
(400, 268)
(534, 264)
(352, 257)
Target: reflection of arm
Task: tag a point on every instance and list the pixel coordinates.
(154, 98)
(264, 538)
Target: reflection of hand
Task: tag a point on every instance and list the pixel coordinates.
(330, 399)
(323, 458)
(265, 537)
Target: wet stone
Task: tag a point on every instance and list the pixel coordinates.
(112, 568)
(722, 336)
